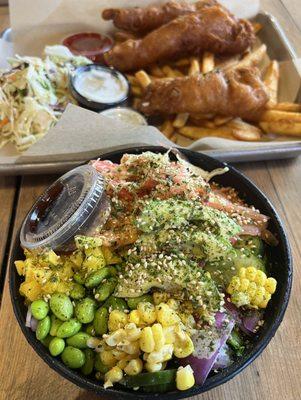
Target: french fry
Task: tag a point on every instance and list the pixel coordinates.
(290, 128)
(197, 132)
(208, 62)
(136, 90)
(209, 124)
(228, 64)
(157, 72)
(291, 107)
(243, 131)
(251, 59)
(170, 72)
(275, 115)
(257, 27)
(180, 120)
(195, 67)
(167, 128)
(218, 121)
(135, 103)
(271, 81)
(143, 78)
(132, 79)
(183, 62)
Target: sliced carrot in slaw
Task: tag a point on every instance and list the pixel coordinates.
(3, 122)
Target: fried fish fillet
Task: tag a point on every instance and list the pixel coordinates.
(214, 29)
(142, 20)
(238, 93)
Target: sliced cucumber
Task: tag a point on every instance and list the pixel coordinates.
(150, 379)
(253, 244)
(222, 272)
(163, 388)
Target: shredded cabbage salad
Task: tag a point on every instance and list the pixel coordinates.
(34, 94)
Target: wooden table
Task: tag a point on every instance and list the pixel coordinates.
(275, 375)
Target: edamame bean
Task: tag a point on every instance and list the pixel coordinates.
(61, 306)
(115, 303)
(73, 358)
(90, 330)
(56, 346)
(39, 309)
(78, 291)
(96, 277)
(55, 324)
(79, 340)
(43, 328)
(105, 289)
(79, 278)
(134, 301)
(87, 368)
(101, 321)
(85, 310)
(99, 365)
(69, 328)
(47, 341)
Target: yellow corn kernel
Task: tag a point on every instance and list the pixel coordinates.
(242, 273)
(119, 355)
(234, 285)
(135, 317)
(115, 374)
(244, 284)
(252, 289)
(160, 297)
(266, 298)
(107, 358)
(114, 338)
(271, 285)
(153, 367)
(169, 334)
(162, 355)
(183, 348)
(260, 278)
(122, 363)
(134, 367)
(147, 312)
(187, 320)
(20, 266)
(166, 316)
(258, 297)
(129, 347)
(158, 336)
(147, 342)
(173, 304)
(132, 332)
(185, 378)
(251, 273)
(117, 319)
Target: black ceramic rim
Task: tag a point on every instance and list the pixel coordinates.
(280, 302)
(95, 105)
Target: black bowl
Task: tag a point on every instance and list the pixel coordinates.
(282, 270)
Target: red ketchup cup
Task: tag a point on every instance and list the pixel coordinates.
(89, 44)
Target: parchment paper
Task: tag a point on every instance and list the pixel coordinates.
(81, 133)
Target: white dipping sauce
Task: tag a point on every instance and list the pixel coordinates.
(102, 86)
(126, 115)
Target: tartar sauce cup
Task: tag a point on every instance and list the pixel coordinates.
(97, 87)
(125, 114)
(75, 204)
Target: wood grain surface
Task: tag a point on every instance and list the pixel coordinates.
(275, 375)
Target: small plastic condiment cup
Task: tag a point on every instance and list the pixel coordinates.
(92, 104)
(125, 114)
(75, 204)
(92, 45)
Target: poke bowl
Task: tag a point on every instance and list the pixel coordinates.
(242, 324)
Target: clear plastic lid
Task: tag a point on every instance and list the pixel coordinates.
(74, 204)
